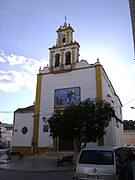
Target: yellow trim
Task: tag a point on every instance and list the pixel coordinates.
(68, 37)
(99, 93)
(73, 55)
(22, 149)
(101, 141)
(56, 143)
(66, 45)
(36, 115)
(62, 60)
(45, 149)
(51, 59)
(98, 82)
(62, 71)
(59, 40)
(73, 58)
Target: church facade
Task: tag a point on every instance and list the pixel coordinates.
(65, 81)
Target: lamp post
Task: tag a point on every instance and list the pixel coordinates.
(132, 107)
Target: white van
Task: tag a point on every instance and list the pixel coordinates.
(103, 163)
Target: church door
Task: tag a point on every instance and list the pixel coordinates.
(65, 144)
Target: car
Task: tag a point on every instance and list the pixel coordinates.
(104, 163)
(130, 152)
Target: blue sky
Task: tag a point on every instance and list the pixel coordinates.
(28, 29)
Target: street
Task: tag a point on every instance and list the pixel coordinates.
(31, 175)
(14, 175)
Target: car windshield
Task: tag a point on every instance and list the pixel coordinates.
(98, 157)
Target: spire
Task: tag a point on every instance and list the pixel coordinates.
(65, 18)
(65, 23)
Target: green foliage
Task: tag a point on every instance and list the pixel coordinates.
(85, 122)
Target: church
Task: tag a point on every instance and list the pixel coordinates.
(65, 80)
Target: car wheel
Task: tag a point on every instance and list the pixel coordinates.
(131, 176)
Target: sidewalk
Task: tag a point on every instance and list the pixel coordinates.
(33, 164)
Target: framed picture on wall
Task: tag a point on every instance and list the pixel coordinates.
(66, 97)
(45, 128)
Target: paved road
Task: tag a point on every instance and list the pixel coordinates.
(12, 170)
(17, 175)
(14, 175)
(33, 168)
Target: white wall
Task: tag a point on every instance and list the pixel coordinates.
(83, 78)
(115, 129)
(44, 139)
(22, 120)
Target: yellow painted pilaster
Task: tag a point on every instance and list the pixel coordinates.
(68, 37)
(51, 59)
(62, 59)
(98, 82)
(59, 40)
(56, 144)
(36, 115)
(73, 58)
(99, 93)
(101, 141)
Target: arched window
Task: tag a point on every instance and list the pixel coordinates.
(57, 60)
(68, 58)
(64, 40)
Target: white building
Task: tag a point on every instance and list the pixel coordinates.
(66, 79)
(5, 134)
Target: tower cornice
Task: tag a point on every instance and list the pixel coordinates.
(65, 28)
(66, 45)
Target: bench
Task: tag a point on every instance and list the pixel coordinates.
(68, 159)
(10, 155)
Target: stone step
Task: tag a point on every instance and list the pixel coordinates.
(55, 155)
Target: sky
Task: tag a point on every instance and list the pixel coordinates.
(28, 28)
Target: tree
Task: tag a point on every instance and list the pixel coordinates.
(85, 122)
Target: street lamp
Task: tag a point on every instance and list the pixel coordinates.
(44, 120)
(132, 107)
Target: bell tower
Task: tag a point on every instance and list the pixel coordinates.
(65, 54)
